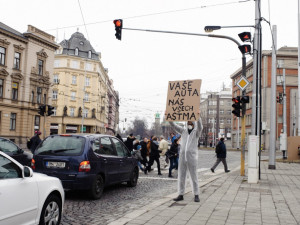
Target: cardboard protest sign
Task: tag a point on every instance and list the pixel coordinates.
(183, 101)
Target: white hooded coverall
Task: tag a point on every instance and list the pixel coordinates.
(188, 157)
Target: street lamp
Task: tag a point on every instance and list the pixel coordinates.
(209, 29)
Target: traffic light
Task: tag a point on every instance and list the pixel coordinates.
(244, 101)
(245, 36)
(236, 106)
(42, 110)
(245, 48)
(279, 98)
(50, 110)
(118, 27)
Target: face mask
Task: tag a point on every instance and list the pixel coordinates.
(190, 127)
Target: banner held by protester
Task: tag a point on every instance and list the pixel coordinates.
(183, 101)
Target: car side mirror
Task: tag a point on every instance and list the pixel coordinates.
(27, 172)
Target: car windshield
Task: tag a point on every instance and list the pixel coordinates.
(61, 145)
(7, 147)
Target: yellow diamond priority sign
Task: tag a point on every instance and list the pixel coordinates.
(242, 83)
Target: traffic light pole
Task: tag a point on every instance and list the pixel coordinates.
(243, 130)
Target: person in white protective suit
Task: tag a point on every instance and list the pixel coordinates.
(188, 158)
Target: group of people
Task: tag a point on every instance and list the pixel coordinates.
(148, 151)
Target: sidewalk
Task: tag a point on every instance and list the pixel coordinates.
(229, 199)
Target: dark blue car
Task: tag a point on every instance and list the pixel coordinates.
(14, 151)
(86, 162)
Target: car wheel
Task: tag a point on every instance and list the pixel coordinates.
(51, 212)
(97, 187)
(133, 178)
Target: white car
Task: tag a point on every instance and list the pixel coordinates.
(27, 197)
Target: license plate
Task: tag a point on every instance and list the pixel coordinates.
(55, 164)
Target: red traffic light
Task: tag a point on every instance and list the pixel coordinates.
(245, 49)
(245, 36)
(118, 23)
(235, 100)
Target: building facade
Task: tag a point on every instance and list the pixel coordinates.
(215, 111)
(26, 71)
(81, 89)
(113, 109)
(287, 58)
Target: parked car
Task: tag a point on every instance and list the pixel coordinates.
(86, 161)
(14, 151)
(27, 197)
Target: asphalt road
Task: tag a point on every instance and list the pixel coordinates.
(119, 199)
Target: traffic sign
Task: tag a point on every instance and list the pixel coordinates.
(243, 83)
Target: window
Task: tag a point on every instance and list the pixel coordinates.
(13, 117)
(85, 113)
(222, 102)
(75, 64)
(88, 66)
(229, 121)
(39, 95)
(17, 60)
(212, 111)
(7, 146)
(121, 151)
(73, 95)
(1, 88)
(14, 91)
(56, 63)
(76, 51)
(41, 67)
(212, 102)
(73, 79)
(86, 97)
(106, 147)
(221, 120)
(90, 55)
(55, 79)
(96, 145)
(37, 121)
(228, 111)
(211, 120)
(8, 169)
(2, 56)
(72, 111)
(54, 94)
(45, 99)
(32, 96)
(87, 81)
(222, 111)
(54, 111)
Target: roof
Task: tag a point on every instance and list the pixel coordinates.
(11, 30)
(77, 40)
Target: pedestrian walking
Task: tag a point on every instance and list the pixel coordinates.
(136, 153)
(136, 144)
(144, 151)
(129, 142)
(172, 155)
(163, 147)
(221, 156)
(154, 155)
(34, 141)
(188, 157)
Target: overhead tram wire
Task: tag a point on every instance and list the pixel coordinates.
(152, 14)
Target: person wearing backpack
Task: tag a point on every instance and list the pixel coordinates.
(221, 156)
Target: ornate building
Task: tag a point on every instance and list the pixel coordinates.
(81, 89)
(113, 109)
(26, 71)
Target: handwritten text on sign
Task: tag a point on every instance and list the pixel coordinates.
(183, 101)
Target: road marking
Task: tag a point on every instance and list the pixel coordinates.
(158, 178)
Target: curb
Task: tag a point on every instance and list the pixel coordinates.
(136, 213)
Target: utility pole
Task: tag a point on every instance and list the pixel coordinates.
(243, 128)
(273, 104)
(283, 138)
(298, 67)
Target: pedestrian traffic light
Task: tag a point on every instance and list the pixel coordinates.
(236, 106)
(245, 36)
(118, 27)
(245, 48)
(42, 110)
(50, 110)
(279, 98)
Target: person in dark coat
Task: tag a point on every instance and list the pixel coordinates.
(221, 156)
(172, 155)
(154, 155)
(34, 141)
(129, 142)
(119, 137)
(144, 150)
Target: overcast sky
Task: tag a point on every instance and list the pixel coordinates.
(142, 63)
